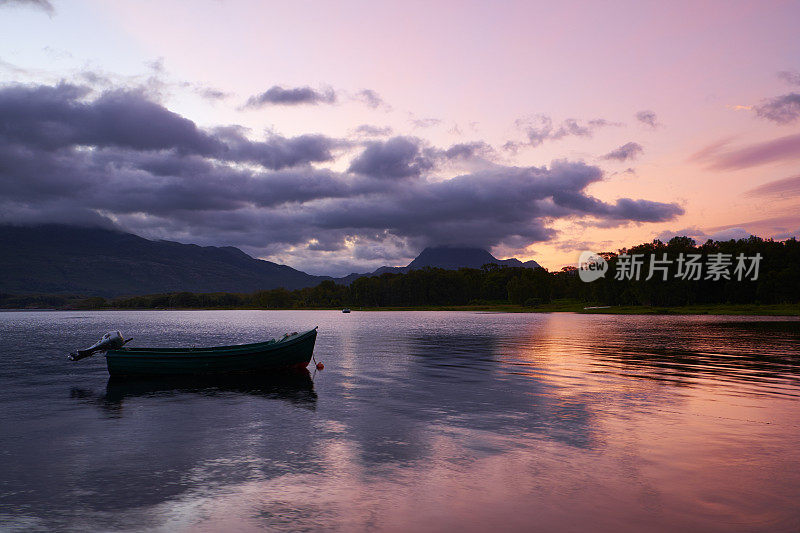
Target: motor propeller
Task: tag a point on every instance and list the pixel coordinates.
(110, 341)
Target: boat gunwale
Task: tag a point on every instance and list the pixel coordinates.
(234, 349)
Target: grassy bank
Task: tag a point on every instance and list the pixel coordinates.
(556, 306)
(713, 309)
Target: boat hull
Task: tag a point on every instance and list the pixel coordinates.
(267, 357)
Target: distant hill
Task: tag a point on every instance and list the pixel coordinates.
(449, 258)
(452, 258)
(59, 259)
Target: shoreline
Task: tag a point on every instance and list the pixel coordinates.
(787, 310)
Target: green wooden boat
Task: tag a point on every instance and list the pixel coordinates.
(291, 352)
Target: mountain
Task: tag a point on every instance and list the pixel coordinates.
(447, 257)
(452, 258)
(58, 259)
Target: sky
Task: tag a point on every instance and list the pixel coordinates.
(338, 137)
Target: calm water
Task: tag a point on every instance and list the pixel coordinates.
(420, 421)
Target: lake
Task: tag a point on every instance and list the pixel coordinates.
(421, 421)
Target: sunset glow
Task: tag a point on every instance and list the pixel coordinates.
(690, 109)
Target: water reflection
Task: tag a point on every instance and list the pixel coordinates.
(716, 354)
(294, 387)
(459, 378)
(157, 440)
(430, 421)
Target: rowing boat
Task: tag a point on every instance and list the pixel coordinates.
(293, 351)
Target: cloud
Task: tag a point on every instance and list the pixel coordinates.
(468, 150)
(790, 77)
(69, 155)
(715, 157)
(425, 122)
(710, 151)
(784, 188)
(368, 130)
(692, 232)
(766, 226)
(372, 99)
(277, 95)
(399, 157)
(783, 109)
(276, 152)
(787, 235)
(700, 236)
(730, 234)
(540, 128)
(52, 118)
(642, 210)
(13, 69)
(156, 83)
(648, 118)
(210, 93)
(489, 207)
(630, 171)
(44, 5)
(626, 152)
(602, 123)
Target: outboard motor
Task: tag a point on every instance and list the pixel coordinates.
(110, 341)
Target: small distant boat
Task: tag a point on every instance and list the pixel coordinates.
(293, 351)
(346, 310)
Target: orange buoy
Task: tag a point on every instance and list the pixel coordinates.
(320, 366)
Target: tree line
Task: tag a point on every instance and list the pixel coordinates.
(778, 282)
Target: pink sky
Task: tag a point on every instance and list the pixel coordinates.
(477, 68)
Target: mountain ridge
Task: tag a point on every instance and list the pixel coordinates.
(91, 261)
(447, 257)
(60, 259)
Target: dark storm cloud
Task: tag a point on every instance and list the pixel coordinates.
(125, 181)
(489, 207)
(782, 109)
(399, 157)
(625, 152)
(648, 118)
(44, 5)
(68, 155)
(56, 117)
(716, 157)
(277, 95)
(276, 152)
(52, 118)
